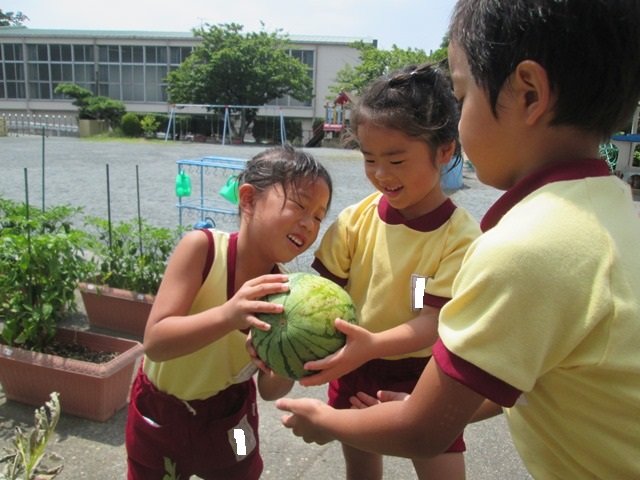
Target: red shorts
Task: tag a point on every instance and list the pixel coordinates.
(394, 375)
(216, 438)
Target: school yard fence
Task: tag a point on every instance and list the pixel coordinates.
(62, 125)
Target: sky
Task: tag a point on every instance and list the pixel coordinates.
(417, 24)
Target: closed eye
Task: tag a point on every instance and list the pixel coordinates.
(298, 204)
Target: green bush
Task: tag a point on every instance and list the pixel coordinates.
(91, 106)
(130, 255)
(42, 261)
(130, 125)
(149, 125)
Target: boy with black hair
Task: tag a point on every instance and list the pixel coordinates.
(544, 322)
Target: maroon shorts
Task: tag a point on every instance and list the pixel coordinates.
(394, 375)
(216, 438)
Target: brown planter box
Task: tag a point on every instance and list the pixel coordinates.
(89, 390)
(116, 309)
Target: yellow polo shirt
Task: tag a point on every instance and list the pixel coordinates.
(547, 304)
(373, 252)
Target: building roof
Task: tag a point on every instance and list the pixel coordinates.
(25, 32)
(34, 33)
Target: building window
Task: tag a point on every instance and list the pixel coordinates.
(13, 81)
(155, 71)
(60, 53)
(307, 58)
(132, 73)
(61, 66)
(83, 53)
(84, 70)
(38, 74)
(179, 54)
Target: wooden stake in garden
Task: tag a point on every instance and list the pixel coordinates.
(26, 204)
(109, 211)
(139, 215)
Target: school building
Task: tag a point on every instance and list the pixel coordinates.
(131, 66)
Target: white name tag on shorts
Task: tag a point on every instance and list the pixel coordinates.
(418, 285)
(242, 439)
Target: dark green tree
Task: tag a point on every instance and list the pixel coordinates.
(230, 67)
(375, 63)
(442, 52)
(92, 106)
(12, 19)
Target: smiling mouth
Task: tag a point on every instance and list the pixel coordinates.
(297, 241)
(392, 189)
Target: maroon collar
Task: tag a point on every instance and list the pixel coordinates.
(425, 223)
(557, 172)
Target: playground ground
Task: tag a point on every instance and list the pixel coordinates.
(75, 173)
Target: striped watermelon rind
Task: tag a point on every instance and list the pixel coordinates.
(305, 331)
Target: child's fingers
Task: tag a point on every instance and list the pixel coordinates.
(253, 354)
(268, 278)
(260, 306)
(257, 323)
(345, 327)
(363, 400)
(388, 396)
(321, 364)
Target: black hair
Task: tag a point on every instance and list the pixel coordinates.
(417, 100)
(284, 166)
(589, 49)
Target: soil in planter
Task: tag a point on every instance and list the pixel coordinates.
(74, 351)
(79, 352)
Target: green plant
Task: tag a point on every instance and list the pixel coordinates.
(170, 470)
(24, 461)
(41, 260)
(149, 125)
(130, 125)
(130, 255)
(92, 106)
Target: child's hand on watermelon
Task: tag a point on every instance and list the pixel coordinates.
(364, 400)
(356, 352)
(255, 359)
(241, 309)
(271, 386)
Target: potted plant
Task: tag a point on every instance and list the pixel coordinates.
(129, 260)
(42, 258)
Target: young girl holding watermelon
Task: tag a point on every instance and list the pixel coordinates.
(193, 403)
(385, 247)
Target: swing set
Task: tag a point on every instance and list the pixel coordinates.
(226, 127)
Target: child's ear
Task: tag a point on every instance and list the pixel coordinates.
(531, 85)
(246, 198)
(445, 152)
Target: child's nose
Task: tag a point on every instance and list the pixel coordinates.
(307, 222)
(381, 172)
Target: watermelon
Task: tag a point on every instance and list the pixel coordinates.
(305, 330)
